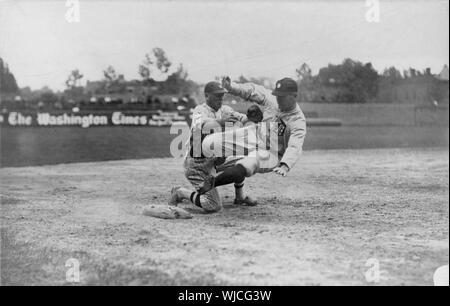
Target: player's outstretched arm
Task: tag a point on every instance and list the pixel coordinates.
(250, 92)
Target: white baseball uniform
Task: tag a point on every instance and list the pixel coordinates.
(279, 137)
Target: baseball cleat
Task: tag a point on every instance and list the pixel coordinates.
(208, 185)
(174, 197)
(247, 201)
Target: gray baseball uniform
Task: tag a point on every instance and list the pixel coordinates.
(198, 169)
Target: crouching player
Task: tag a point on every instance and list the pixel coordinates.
(199, 168)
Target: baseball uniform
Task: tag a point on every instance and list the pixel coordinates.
(197, 167)
(279, 137)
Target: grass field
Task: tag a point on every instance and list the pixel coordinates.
(318, 226)
(42, 146)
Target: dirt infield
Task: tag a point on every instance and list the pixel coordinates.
(320, 225)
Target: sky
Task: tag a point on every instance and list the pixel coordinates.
(214, 38)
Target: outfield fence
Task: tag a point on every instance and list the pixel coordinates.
(381, 114)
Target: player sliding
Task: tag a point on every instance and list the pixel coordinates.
(284, 125)
(197, 167)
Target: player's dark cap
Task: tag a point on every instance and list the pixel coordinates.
(285, 87)
(214, 88)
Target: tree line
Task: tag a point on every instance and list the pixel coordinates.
(8, 82)
(353, 82)
(348, 82)
(154, 71)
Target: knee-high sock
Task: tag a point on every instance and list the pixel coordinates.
(195, 199)
(239, 190)
(235, 174)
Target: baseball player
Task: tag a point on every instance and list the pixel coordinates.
(275, 145)
(197, 167)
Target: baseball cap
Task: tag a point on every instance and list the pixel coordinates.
(214, 88)
(285, 87)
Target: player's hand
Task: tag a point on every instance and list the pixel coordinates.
(224, 120)
(226, 83)
(281, 170)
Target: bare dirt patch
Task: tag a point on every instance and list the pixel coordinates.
(319, 225)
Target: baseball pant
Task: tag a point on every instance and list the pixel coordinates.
(244, 146)
(197, 170)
